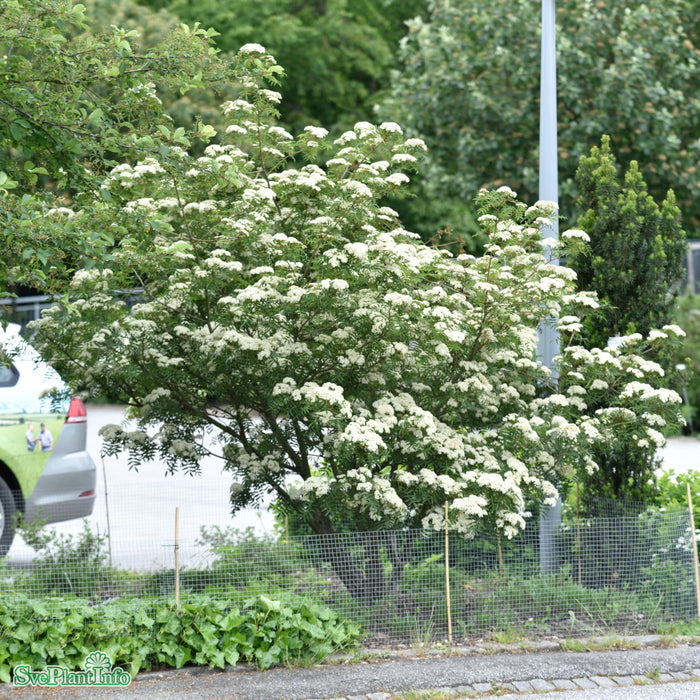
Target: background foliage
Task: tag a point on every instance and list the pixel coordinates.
(337, 53)
(74, 99)
(469, 84)
(464, 77)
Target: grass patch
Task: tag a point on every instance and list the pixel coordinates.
(425, 695)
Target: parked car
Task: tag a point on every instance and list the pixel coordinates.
(45, 471)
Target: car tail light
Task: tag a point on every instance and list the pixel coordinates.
(76, 412)
(86, 494)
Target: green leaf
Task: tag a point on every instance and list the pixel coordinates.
(268, 604)
(267, 658)
(231, 655)
(17, 131)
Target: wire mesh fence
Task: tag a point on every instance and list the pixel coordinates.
(622, 574)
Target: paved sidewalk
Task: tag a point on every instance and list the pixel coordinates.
(461, 674)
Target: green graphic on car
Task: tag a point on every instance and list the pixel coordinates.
(27, 464)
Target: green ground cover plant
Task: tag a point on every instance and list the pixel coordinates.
(150, 632)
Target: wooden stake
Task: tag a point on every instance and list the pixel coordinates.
(501, 564)
(694, 540)
(177, 561)
(447, 577)
(109, 529)
(578, 531)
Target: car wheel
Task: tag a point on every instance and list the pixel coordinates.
(8, 509)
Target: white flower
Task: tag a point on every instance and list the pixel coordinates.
(345, 138)
(279, 132)
(365, 128)
(397, 179)
(316, 131)
(403, 158)
(569, 324)
(359, 249)
(507, 191)
(272, 96)
(547, 206)
(676, 330)
(235, 128)
(252, 48)
(356, 189)
(576, 233)
(392, 127)
(239, 105)
(418, 144)
(645, 392)
(336, 284)
(656, 437)
(61, 211)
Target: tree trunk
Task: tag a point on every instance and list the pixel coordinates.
(364, 576)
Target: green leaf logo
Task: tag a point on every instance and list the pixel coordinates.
(98, 659)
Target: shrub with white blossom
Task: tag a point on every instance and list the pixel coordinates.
(286, 322)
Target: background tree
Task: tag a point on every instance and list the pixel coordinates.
(687, 316)
(637, 248)
(635, 265)
(337, 53)
(71, 102)
(469, 85)
(289, 326)
(153, 29)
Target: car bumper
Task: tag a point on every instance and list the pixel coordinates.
(66, 489)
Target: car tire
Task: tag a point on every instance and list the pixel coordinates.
(8, 510)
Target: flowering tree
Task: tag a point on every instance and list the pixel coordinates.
(288, 324)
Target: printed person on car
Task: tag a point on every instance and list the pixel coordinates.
(45, 439)
(31, 440)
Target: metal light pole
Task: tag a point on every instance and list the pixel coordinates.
(548, 336)
(548, 342)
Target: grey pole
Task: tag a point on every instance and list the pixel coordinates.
(548, 336)
(548, 342)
